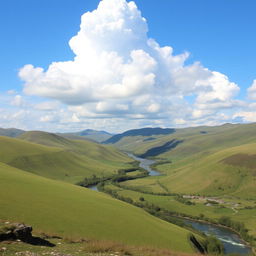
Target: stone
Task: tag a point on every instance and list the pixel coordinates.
(22, 232)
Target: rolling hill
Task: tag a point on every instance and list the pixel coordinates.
(66, 210)
(10, 132)
(98, 136)
(55, 157)
(231, 171)
(139, 132)
(209, 160)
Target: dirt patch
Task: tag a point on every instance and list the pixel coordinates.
(243, 160)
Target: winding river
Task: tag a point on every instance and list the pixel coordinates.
(231, 241)
(145, 164)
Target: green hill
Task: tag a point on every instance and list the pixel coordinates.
(197, 159)
(139, 132)
(55, 207)
(230, 171)
(10, 132)
(97, 136)
(194, 140)
(60, 158)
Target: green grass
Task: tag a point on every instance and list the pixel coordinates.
(61, 158)
(83, 248)
(212, 175)
(194, 142)
(55, 207)
(213, 212)
(148, 184)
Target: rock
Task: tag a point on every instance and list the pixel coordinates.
(22, 232)
(16, 231)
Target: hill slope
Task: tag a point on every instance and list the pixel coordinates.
(98, 136)
(139, 132)
(194, 140)
(60, 208)
(230, 171)
(62, 159)
(197, 159)
(10, 132)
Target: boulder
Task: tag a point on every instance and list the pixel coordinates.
(22, 232)
(16, 231)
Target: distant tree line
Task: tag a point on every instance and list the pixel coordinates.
(120, 176)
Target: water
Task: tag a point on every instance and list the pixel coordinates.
(94, 187)
(145, 164)
(231, 241)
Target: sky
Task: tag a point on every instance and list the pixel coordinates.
(116, 65)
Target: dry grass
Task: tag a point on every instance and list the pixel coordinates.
(104, 247)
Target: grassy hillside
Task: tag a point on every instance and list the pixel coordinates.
(216, 162)
(146, 132)
(89, 134)
(60, 208)
(60, 158)
(10, 132)
(194, 140)
(197, 159)
(230, 171)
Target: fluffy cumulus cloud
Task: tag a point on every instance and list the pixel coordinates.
(120, 73)
(252, 91)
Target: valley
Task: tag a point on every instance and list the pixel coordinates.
(213, 184)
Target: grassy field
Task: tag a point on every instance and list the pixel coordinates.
(221, 173)
(241, 213)
(55, 207)
(60, 158)
(196, 140)
(211, 161)
(69, 247)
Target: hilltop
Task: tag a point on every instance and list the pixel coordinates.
(55, 157)
(11, 132)
(98, 136)
(140, 132)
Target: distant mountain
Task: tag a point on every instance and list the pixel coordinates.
(90, 134)
(11, 132)
(140, 132)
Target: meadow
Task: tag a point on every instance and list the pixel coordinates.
(58, 208)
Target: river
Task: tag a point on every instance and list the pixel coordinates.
(231, 241)
(93, 187)
(145, 164)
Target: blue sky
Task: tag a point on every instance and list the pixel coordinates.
(218, 34)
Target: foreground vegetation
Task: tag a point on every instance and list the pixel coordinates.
(83, 247)
(208, 174)
(66, 210)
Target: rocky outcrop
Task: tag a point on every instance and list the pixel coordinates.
(16, 231)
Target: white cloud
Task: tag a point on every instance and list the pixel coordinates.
(120, 73)
(11, 92)
(252, 91)
(246, 116)
(47, 105)
(18, 101)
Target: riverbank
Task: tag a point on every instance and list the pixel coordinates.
(146, 164)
